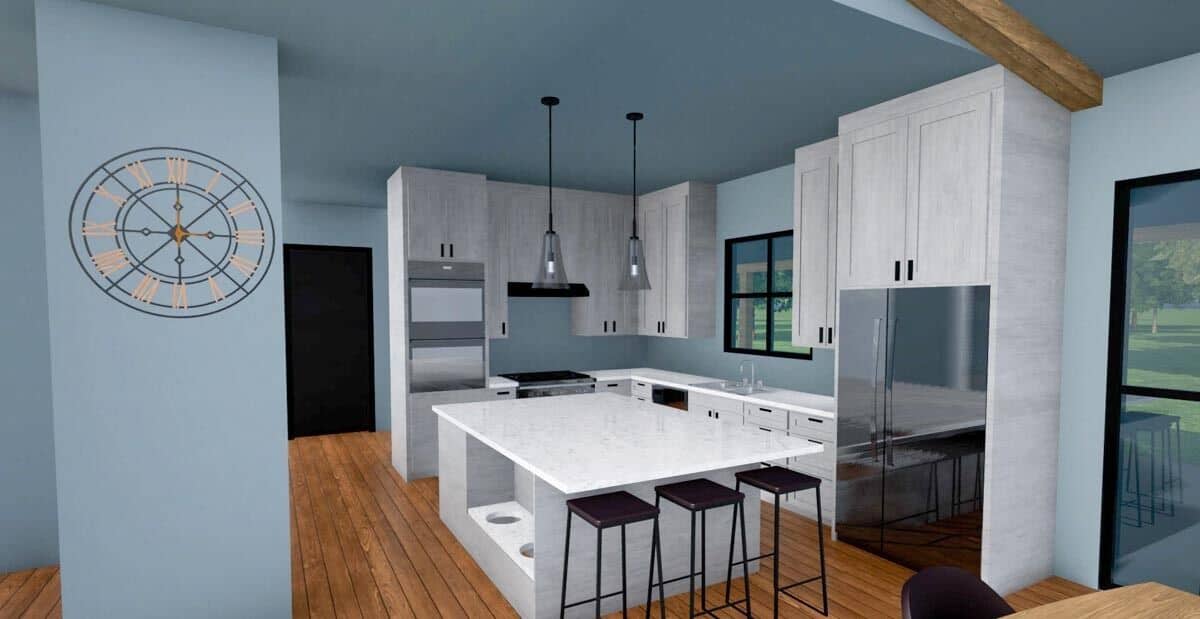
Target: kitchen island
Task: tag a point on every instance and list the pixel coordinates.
(507, 468)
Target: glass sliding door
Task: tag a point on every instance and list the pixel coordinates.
(1152, 451)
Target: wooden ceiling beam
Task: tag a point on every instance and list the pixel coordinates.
(998, 30)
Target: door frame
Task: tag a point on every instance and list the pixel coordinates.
(1116, 363)
(287, 333)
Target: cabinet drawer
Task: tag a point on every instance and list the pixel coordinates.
(704, 401)
(508, 393)
(641, 390)
(733, 417)
(811, 425)
(775, 418)
(818, 464)
(621, 387)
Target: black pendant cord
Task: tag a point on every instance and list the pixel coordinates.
(634, 117)
(550, 102)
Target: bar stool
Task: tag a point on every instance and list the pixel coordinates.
(604, 511)
(779, 481)
(699, 496)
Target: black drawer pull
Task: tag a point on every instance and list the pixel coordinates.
(897, 270)
(443, 250)
(764, 429)
(452, 250)
(815, 441)
(641, 384)
(766, 410)
(910, 270)
(614, 384)
(503, 328)
(503, 392)
(815, 420)
(820, 335)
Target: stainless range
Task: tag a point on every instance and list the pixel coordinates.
(560, 382)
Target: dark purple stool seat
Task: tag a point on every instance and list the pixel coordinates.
(778, 480)
(612, 509)
(699, 494)
(950, 593)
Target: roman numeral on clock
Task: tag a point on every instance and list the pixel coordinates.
(179, 295)
(139, 172)
(103, 192)
(212, 182)
(145, 289)
(250, 237)
(103, 228)
(244, 207)
(110, 261)
(217, 295)
(177, 169)
(242, 264)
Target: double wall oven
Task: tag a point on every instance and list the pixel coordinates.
(446, 326)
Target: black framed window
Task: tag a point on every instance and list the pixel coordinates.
(758, 296)
(1151, 511)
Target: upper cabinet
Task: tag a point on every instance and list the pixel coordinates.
(913, 189)
(814, 279)
(678, 229)
(607, 220)
(445, 214)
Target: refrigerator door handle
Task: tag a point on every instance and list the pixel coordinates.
(889, 373)
(875, 393)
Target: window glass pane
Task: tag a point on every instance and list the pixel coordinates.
(748, 324)
(781, 326)
(782, 271)
(1163, 283)
(1157, 506)
(749, 266)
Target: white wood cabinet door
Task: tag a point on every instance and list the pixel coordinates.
(948, 175)
(625, 302)
(497, 265)
(814, 285)
(675, 290)
(526, 224)
(652, 223)
(464, 199)
(425, 215)
(871, 204)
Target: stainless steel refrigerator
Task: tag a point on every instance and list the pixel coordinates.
(912, 393)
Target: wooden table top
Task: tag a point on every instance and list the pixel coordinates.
(1145, 600)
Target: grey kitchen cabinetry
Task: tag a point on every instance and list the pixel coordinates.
(622, 386)
(445, 214)
(913, 194)
(814, 273)
(420, 429)
(606, 220)
(678, 229)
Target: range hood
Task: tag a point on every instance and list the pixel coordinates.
(526, 289)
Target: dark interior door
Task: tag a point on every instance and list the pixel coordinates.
(330, 339)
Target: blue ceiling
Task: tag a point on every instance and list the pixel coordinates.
(727, 89)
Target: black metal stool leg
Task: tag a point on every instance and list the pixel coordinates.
(821, 551)
(692, 570)
(599, 555)
(562, 607)
(745, 558)
(624, 602)
(729, 564)
(775, 562)
(655, 551)
(703, 560)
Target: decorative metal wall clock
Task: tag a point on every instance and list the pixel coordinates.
(171, 232)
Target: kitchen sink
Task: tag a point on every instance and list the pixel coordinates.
(734, 387)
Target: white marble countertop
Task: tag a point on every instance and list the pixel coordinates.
(822, 405)
(582, 443)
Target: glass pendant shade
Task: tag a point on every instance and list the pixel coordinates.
(551, 272)
(633, 276)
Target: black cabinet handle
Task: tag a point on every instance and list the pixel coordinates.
(606, 326)
(716, 414)
(830, 335)
(897, 270)
(766, 410)
(614, 326)
(614, 384)
(503, 392)
(815, 420)
(820, 335)
(503, 328)
(815, 441)
(764, 429)
(910, 270)
(443, 250)
(452, 250)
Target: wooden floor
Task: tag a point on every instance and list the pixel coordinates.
(367, 544)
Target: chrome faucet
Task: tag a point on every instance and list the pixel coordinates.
(742, 371)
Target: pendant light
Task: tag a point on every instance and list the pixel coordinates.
(633, 276)
(551, 272)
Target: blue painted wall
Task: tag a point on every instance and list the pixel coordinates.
(28, 518)
(1147, 125)
(170, 435)
(354, 226)
(749, 205)
(540, 339)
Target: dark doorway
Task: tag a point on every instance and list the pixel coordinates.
(330, 339)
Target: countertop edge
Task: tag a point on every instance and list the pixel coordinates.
(763, 399)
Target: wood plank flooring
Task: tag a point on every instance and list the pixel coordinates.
(367, 544)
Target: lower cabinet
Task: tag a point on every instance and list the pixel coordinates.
(715, 407)
(619, 387)
(641, 390)
(421, 425)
